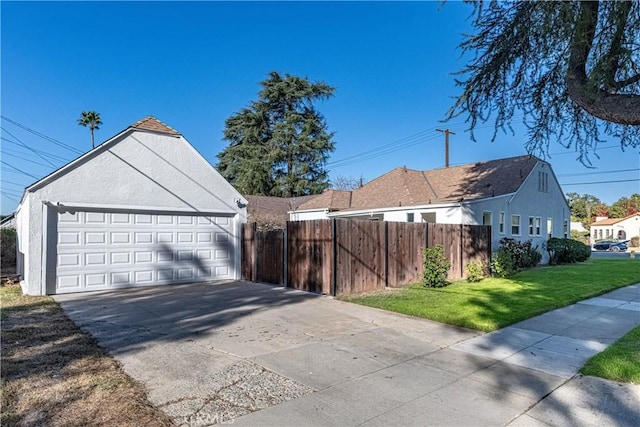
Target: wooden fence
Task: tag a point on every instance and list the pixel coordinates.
(341, 257)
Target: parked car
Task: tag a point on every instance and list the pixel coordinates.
(611, 245)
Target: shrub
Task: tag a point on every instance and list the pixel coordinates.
(580, 236)
(8, 247)
(523, 254)
(475, 271)
(567, 251)
(635, 242)
(436, 267)
(502, 263)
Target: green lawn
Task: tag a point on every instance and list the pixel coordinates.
(619, 362)
(495, 303)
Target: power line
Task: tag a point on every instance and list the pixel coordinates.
(18, 170)
(25, 159)
(599, 172)
(8, 196)
(27, 147)
(13, 193)
(43, 136)
(401, 144)
(44, 153)
(3, 181)
(603, 182)
(391, 145)
(575, 152)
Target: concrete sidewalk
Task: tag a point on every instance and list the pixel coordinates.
(267, 356)
(559, 342)
(522, 375)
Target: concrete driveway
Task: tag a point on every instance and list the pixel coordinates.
(264, 355)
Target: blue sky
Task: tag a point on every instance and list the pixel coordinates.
(192, 65)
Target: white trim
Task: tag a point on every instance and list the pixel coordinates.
(372, 211)
(519, 225)
(504, 222)
(44, 247)
(190, 211)
(323, 210)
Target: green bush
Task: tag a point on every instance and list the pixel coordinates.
(475, 271)
(8, 247)
(502, 263)
(436, 267)
(580, 236)
(523, 254)
(566, 251)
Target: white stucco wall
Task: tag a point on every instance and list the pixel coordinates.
(527, 202)
(22, 239)
(445, 214)
(136, 170)
(308, 215)
(630, 226)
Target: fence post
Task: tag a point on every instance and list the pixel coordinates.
(254, 252)
(462, 253)
(334, 258)
(285, 255)
(386, 254)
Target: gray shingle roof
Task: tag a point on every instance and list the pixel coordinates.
(407, 187)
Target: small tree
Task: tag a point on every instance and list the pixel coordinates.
(346, 183)
(436, 267)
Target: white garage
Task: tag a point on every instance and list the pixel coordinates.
(142, 209)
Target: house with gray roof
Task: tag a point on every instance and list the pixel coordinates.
(520, 197)
(270, 212)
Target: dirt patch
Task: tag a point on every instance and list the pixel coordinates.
(56, 375)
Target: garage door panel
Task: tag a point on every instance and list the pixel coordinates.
(103, 250)
(95, 218)
(69, 238)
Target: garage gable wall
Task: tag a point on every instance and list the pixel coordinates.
(138, 170)
(145, 169)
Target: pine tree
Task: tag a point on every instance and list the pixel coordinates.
(279, 145)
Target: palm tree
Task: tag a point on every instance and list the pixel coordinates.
(91, 119)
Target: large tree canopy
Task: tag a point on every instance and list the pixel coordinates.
(279, 144)
(571, 69)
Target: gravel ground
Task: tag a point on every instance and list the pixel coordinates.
(241, 388)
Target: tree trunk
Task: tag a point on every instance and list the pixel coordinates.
(616, 108)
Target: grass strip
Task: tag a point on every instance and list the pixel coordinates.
(619, 362)
(494, 303)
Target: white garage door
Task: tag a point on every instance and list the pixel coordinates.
(106, 250)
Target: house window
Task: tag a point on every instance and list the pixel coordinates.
(549, 228)
(410, 217)
(501, 223)
(429, 217)
(486, 218)
(565, 229)
(543, 181)
(538, 226)
(515, 225)
(531, 226)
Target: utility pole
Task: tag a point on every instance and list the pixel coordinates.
(446, 132)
